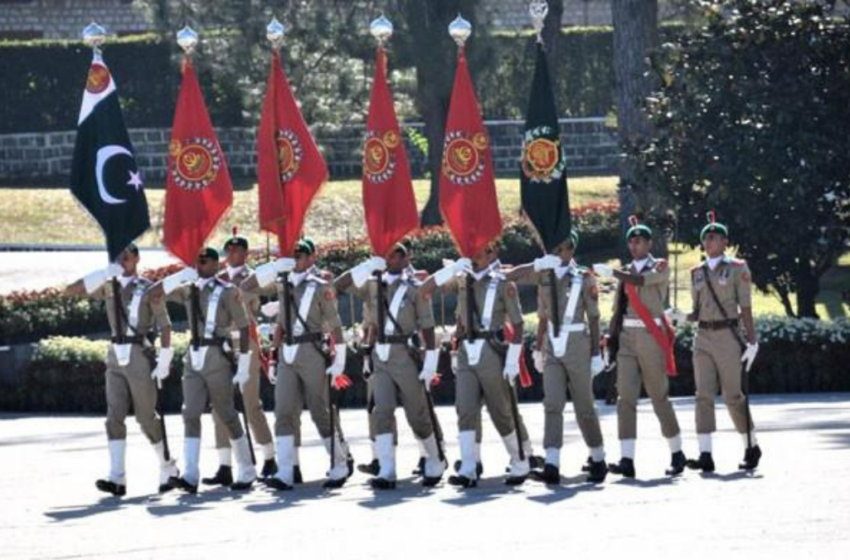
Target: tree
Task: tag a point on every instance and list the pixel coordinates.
(635, 38)
(751, 120)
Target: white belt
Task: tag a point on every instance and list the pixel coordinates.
(632, 323)
(572, 327)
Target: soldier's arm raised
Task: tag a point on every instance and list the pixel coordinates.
(93, 281)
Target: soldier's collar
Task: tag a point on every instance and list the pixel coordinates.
(641, 264)
(127, 280)
(494, 270)
(389, 278)
(203, 283)
(714, 262)
(234, 271)
(570, 269)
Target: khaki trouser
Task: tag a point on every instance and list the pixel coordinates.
(131, 384)
(370, 409)
(214, 384)
(640, 359)
(571, 371)
(302, 382)
(253, 408)
(397, 381)
(718, 355)
(484, 380)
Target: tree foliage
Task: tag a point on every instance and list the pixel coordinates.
(751, 120)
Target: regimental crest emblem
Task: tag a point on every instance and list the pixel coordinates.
(379, 160)
(98, 79)
(542, 160)
(463, 157)
(196, 162)
(289, 154)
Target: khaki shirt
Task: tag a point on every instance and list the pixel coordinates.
(415, 312)
(656, 280)
(323, 315)
(151, 312)
(731, 282)
(506, 305)
(230, 313)
(587, 306)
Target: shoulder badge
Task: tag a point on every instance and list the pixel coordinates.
(510, 290)
(661, 265)
(329, 294)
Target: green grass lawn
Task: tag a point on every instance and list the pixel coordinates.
(52, 216)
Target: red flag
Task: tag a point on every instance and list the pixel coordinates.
(467, 186)
(199, 190)
(290, 167)
(388, 199)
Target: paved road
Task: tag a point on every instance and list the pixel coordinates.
(798, 504)
(35, 270)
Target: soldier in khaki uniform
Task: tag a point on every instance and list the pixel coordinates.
(718, 346)
(130, 376)
(645, 347)
(214, 308)
(571, 356)
(303, 363)
(400, 374)
(236, 271)
(482, 368)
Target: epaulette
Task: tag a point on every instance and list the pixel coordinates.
(737, 263)
(660, 265)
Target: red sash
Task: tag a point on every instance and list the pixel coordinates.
(663, 339)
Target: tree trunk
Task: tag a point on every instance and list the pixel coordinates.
(785, 298)
(435, 130)
(635, 35)
(808, 286)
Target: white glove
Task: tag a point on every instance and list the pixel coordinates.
(749, 355)
(163, 364)
(361, 273)
(266, 273)
(451, 269)
(243, 370)
(547, 262)
(539, 360)
(676, 317)
(429, 368)
(336, 368)
(173, 281)
(511, 370)
(271, 372)
(98, 278)
(603, 270)
(597, 365)
(270, 309)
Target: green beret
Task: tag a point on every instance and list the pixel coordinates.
(236, 241)
(399, 248)
(208, 253)
(305, 246)
(713, 226)
(638, 229)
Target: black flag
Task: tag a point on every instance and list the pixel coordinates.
(104, 175)
(544, 194)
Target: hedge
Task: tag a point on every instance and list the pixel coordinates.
(30, 316)
(43, 80)
(797, 355)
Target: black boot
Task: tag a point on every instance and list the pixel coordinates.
(223, 477)
(269, 468)
(549, 475)
(462, 481)
(242, 486)
(705, 463)
(296, 475)
(277, 484)
(379, 483)
(111, 487)
(479, 467)
(626, 467)
(430, 481)
(597, 472)
(184, 485)
(167, 487)
(751, 459)
(588, 465)
(372, 468)
(536, 462)
(333, 483)
(349, 462)
(420, 467)
(677, 464)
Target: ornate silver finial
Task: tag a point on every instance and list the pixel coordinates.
(381, 29)
(94, 36)
(460, 30)
(538, 9)
(187, 38)
(275, 32)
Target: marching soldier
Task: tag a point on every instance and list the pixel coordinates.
(398, 306)
(645, 347)
(236, 251)
(485, 366)
(214, 308)
(133, 315)
(304, 363)
(571, 355)
(721, 290)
